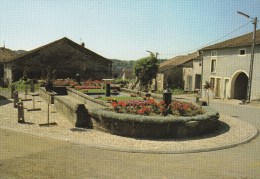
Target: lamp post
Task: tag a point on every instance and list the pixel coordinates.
(254, 22)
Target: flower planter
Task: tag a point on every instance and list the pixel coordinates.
(138, 126)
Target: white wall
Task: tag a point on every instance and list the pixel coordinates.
(228, 63)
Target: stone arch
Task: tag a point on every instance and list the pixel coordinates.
(239, 84)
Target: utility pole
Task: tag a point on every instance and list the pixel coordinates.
(249, 85)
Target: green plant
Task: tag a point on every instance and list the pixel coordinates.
(146, 70)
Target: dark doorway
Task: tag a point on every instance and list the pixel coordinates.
(241, 86)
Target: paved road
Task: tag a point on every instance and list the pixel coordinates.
(247, 113)
(25, 156)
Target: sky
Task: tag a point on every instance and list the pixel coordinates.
(125, 29)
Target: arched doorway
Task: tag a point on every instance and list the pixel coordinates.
(239, 85)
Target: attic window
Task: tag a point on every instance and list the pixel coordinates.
(242, 52)
(214, 53)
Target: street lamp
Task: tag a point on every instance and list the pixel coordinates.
(254, 21)
(156, 53)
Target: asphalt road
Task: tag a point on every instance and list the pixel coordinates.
(25, 156)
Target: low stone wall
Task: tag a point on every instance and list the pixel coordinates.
(75, 112)
(84, 97)
(153, 126)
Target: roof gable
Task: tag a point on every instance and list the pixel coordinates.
(60, 42)
(177, 61)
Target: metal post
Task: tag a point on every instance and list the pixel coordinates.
(107, 89)
(26, 91)
(254, 21)
(248, 95)
(48, 115)
(33, 103)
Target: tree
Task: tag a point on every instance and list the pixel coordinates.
(146, 70)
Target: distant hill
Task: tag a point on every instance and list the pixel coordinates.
(119, 65)
(19, 52)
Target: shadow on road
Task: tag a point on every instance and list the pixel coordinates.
(4, 101)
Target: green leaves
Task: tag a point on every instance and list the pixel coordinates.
(146, 70)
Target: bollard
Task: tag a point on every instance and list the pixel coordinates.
(16, 99)
(12, 91)
(20, 112)
(107, 89)
(52, 98)
(32, 87)
(167, 96)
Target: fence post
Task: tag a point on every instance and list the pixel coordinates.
(16, 99)
(20, 112)
(12, 91)
(32, 87)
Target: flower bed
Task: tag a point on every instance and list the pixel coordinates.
(64, 82)
(152, 107)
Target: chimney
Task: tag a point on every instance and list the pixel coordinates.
(83, 44)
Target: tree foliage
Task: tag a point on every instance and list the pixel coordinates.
(146, 70)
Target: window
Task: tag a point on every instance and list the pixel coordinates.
(213, 65)
(214, 53)
(242, 52)
(212, 83)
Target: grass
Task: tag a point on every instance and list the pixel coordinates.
(93, 90)
(120, 98)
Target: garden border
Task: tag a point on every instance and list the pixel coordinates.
(154, 126)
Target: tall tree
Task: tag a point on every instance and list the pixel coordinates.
(146, 70)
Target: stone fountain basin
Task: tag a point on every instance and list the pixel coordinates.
(158, 127)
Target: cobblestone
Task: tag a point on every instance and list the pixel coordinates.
(239, 132)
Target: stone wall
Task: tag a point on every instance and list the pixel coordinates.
(153, 126)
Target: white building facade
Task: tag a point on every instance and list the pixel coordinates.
(226, 67)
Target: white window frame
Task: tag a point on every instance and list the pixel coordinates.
(240, 51)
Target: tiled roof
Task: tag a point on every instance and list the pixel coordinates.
(178, 60)
(244, 40)
(6, 54)
(60, 42)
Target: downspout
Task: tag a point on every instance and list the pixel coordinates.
(201, 84)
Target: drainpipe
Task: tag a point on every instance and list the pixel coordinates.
(201, 83)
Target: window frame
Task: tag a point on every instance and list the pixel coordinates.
(213, 53)
(240, 51)
(211, 65)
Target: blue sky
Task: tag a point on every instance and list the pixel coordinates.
(121, 29)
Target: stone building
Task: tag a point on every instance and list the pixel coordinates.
(226, 67)
(182, 72)
(64, 57)
(5, 56)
